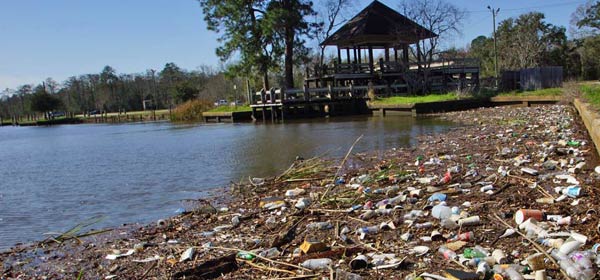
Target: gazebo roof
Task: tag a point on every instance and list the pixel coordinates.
(378, 25)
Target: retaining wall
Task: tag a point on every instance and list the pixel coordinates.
(591, 119)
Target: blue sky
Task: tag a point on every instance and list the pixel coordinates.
(62, 38)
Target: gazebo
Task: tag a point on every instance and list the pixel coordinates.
(376, 27)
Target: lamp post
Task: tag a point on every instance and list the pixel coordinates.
(494, 14)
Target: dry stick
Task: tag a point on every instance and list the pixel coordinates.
(268, 268)
(148, 270)
(341, 166)
(544, 192)
(257, 256)
(537, 247)
(296, 277)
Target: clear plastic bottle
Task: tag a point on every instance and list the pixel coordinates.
(447, 253)
(270, 253)
(319, 226)
(513, 274)
(317, 264)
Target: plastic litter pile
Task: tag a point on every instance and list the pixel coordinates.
(511, 195)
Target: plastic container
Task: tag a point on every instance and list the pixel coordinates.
(441, 212)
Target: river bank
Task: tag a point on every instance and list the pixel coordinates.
(501, 160)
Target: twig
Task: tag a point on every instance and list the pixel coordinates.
(257, 256)
(261, 267)
(302, 180)
(358, 220)
(537, 247)
(148, 270)
(341, 166)
(296, 277)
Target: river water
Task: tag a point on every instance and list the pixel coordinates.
(52, 178)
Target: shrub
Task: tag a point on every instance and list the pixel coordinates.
(191, 111)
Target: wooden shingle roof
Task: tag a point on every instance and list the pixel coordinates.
(378, 25)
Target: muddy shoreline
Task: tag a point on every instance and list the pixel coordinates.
(497, 147)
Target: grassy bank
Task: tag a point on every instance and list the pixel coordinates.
(191, 111)
(592, 94)
(415, 99)
(539, 92)
(244, 108)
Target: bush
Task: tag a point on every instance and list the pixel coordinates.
(191, 111)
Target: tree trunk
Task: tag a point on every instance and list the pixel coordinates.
(289, 51)
(265, 80)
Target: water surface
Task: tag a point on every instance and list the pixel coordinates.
(52, 178)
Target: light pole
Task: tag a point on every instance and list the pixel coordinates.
(494, 14)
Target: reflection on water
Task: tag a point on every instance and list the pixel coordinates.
(54, 177)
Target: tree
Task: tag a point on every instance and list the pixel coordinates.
(578, 25)
(591, 17)
(329, 18)
(287, 17)
(246, 33)
(440, 17)
(528, 41)
(482, 48)
(43, 102)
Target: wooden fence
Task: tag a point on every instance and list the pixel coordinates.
(532, 78)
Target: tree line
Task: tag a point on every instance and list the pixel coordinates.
(109, 91)
(529, 41)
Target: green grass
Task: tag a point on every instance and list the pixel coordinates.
(244, 108)
(415, 99)
(592, 94)
(539, 92)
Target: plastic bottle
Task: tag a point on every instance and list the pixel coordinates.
(270, 253)
(367, 215)
(447, 253)
(482, 268)
(463, 237)
(513, 274)
(317, 264)
(364, 231)
(423, 225)
(319, 226)
(472, 253)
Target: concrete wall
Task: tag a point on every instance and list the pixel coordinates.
(591, 119)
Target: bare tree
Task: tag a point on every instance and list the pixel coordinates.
(440, 17)
(576, 28)
(332, 14)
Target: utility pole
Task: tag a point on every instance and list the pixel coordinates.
(494, 14)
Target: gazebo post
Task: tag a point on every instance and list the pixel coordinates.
(339, 55)
(348, 55)
(371, 59)
(359, 55)
(405, 55)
